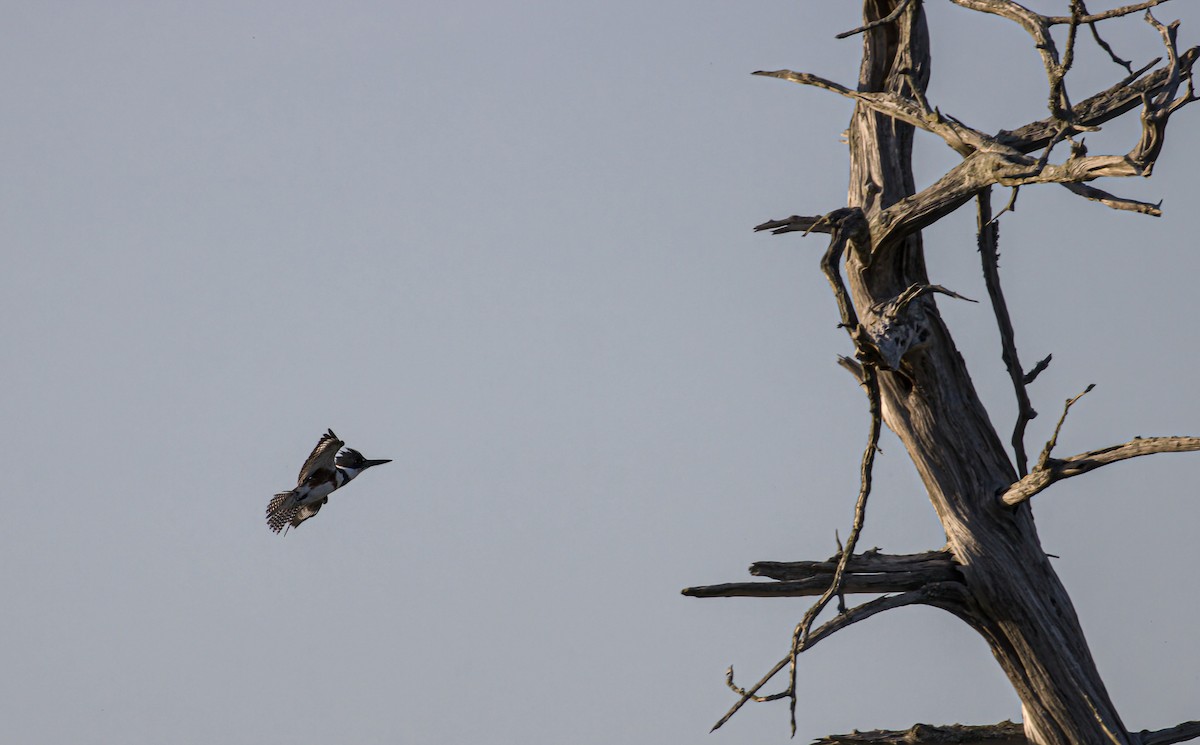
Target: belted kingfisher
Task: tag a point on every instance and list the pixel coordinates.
(324, 472)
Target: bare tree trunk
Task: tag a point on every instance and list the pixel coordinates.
(993, 573)
(1017, 602)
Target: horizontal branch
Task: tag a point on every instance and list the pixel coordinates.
(870, 572)
(1004, 733)
(1178, 733)
(853, 584)
(1057, 469)
(864, 563)
(797, 223)
(1105, 15)
(960, 137)
(949, 596)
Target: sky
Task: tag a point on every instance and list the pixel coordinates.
(508, 245)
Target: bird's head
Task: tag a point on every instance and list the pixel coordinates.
(352, 459)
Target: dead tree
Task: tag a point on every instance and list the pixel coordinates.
(993, 573)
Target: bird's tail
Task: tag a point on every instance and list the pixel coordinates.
(281, 510)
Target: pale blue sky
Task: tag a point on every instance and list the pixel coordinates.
(508, 245)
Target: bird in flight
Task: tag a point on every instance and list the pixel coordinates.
(324, 472)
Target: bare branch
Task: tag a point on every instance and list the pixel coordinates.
(936, 563)
(896, 306)
(1113, 201)
(852, 584)
(1037, 27)
(1058, 469)
(1045, 456)
(1178, 733)
(871, 572)
(1038, 369)
(1100, 42)
(797, 223)
(889, 18)
(1105, 15)
(945, 595)
(1105, 106)
(960, 137)
(989, 253)
(800, 636)
(1004, 733)
(851, 366)
(1002, 159)
(847, 227)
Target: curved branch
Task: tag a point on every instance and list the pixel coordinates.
(1105, 106)
(1113, 201)
(1056, 469)
(1038, 27)
(1178, 733)
(989, 252)
(889, 18)
(959, 136)
(945, 595)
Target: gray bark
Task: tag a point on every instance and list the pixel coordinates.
(993, 572)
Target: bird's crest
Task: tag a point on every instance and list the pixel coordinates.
(350, 458)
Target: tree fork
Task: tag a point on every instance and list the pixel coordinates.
(1018, 603)
(993, 572)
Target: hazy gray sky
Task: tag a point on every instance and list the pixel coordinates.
(508, 245)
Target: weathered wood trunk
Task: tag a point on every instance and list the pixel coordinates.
(993, 573)
(1016, 600)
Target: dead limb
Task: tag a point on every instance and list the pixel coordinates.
(1056, 469)
(945, 595)
(1124, 10)
(1004, 733)
(1115, 202)
(989, 253)
(1045, 456)
(870, 572)
(1178, 733)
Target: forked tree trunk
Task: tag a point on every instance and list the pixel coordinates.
(993, 573)
(1016, 602)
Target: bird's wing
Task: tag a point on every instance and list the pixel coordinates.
(323, 456)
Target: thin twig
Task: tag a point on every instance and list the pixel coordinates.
(890, 17)
(989, 252)
(1127, 64)
(1045, 456)
(946, 595)
(848, 228)
(893, 308)
(800, 636)
(1105, 15)
(1037, 370)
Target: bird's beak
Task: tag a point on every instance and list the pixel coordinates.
(368, 463)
